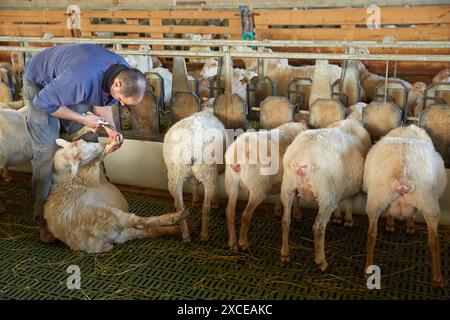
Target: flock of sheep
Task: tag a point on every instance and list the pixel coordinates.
(401, 173)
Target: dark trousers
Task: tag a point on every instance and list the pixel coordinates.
(44, 129)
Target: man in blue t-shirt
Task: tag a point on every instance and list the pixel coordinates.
(61, 85)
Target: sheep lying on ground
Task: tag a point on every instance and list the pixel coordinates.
(242, 168)
(323, 165)
(403, 174)
(194, 147)
(87, 212)
(15, 145)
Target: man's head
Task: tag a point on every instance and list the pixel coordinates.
(128, 88)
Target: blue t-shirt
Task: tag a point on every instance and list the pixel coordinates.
(71, 74)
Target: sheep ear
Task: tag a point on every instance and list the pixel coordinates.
(62, 143)
(74, 168)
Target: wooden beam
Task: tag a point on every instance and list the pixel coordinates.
(340, 16)
(400, 34)
(160, 29)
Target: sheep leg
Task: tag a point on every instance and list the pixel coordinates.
(131, 233)
(337, 216)
(254, 200)
(6, 175)
(348, 219)
(277, 209)
(195, 197)
(210, 190)
(371, 239)
(390, 223)
(410, 228)
(287, 198)
(215, 202)
(297, 209)
(176, 190)
(319, 228)
(233, 193)
(130, 220)
(432, 220)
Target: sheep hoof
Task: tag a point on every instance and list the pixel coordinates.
(245, 247)
(285, 260)
(233, 247)
(439, 282)
(348, 223)
(277, 211)
(203, 237)
(410, 230)
(215, 204)
(390, 228)
(337, 220)
(323, 265)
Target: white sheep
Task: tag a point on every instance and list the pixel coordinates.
(241, 77)
(323, 165)
(199, 37)
(442, 76)
(403, 174)
(167, 79)
(15, 145)
(87, 212)
(194, 147)
(282, 73)
(354, 112)
(245, 165)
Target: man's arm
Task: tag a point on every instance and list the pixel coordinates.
(65, 113)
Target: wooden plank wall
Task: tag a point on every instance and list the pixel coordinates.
(431, 23)
(129, 23)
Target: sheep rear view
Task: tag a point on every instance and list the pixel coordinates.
(323, 165)
(246, 170)
(194, 147)
(87, 212)
(15, 145)
(403, 174)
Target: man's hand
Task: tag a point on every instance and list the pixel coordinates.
(91, 121)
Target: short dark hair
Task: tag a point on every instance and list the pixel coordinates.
(134, 82)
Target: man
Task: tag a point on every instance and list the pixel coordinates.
(61, 85)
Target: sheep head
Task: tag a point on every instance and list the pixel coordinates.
(75, 154)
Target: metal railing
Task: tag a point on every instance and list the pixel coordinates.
(363, 54)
